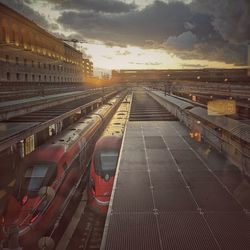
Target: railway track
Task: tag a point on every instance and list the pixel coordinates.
(145, 108)
(90, 227)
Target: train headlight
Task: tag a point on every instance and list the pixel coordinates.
(106, 177)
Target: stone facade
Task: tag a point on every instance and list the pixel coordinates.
(30, 54)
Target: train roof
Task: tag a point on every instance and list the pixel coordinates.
(109, 142)
(46, 154)
(71, 134)
(56, 147)
(117, 124)
(177, 102)
(234, 127)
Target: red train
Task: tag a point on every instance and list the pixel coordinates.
(49, 177)
(102, 171)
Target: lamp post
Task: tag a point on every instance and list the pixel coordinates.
(229, 85)
(169, 84)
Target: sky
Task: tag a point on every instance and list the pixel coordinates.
(148, 34)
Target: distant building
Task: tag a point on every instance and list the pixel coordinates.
(28, 53)
(180, 74)
(87, 68)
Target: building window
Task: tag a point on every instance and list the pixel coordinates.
(45, 78)
(54, 78)
(52, 130)
(4, 34)
(58, 78)
(29, 144)
(33, 78)
(25, 62)
(26, 77)
(39, 77)
(49, 67)
(7, 58)
(44, 65)
(32, 64)
(54, 67)
(8, 76)
(39, 65)
(50, 78)
(17, 60)
(17, 76)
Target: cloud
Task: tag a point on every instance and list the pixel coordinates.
(195, 66)
(185, 41)
(230, 17)
(107, 6)
(107, 57)
(186, 30)
(123, 53)
(215, 30)
(157, 22)
(146, 63)
(23, 8)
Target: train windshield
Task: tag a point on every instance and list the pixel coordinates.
(108, 160)
(34, 177)
(37, 176)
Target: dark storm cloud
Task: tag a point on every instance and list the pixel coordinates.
(108, 6)
(231, 18)
(23, 8)
(176, 27)
(157, 22)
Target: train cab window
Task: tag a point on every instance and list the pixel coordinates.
(105, 162)
(37, 176)
(109, 160)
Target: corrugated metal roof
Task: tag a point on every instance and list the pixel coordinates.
(177, 102)
(237, 128)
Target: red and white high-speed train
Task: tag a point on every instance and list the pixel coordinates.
(49, 176)
(102, 171)
(104, 160)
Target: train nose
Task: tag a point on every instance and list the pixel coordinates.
(106, 177)
(12, 211)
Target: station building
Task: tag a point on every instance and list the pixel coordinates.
(87, 68)
(28, 53)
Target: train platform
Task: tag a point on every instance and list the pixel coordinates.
(171, 192)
